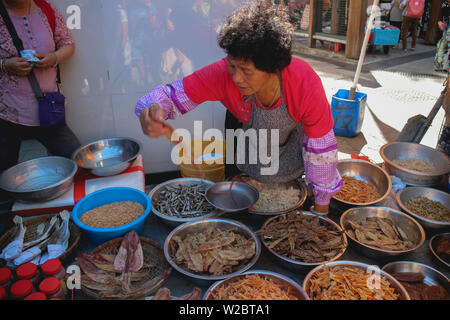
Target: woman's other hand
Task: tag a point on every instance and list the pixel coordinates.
(46, 60)
(17, 66)
(153, 124)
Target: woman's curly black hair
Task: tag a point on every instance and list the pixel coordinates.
(261, 32)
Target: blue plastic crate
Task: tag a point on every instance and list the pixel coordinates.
(385, 37)
(348, 115)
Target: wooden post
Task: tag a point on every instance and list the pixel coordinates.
(355, 30)
(432, 34)
(313, 7)
(335, 17)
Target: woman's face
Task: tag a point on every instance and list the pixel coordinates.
(246, 77)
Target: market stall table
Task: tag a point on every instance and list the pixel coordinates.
(179, 285)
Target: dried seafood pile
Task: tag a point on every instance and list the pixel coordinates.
(164, 294)
(443, 249)
(349, 283)
(212, 252)
(274, 197)
(253, 287)
(380, 233)
(429, 209)
(184, 201)
(303, 238)
(49, 240)
(419, 165)
(123, 275)
(417, 289)
(357, 191)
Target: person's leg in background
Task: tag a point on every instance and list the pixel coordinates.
(59, 142)
(11, 135)
(414, 25)
(404, 32)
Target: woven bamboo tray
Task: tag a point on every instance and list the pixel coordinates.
(30, 233)
(153, 258)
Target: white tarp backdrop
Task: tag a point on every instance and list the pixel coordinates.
(127, 47)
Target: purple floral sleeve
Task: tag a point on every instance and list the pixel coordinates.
(320, 158)
(171, 98)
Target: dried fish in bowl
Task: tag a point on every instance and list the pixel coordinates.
(347, 282)
(380, 233)
(303, 237)
(212, 251)
(429, 209)
(184, 201)
(275, 197)
(131, 268)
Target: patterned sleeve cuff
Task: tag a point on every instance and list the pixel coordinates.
(320, 158)
(171, 98)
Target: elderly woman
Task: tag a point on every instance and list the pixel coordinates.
(43, 29)
(263, 87)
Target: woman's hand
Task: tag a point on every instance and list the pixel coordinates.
(46, 60)
(153, 124)
(18, 66)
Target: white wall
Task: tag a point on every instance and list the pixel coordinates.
(110, 72)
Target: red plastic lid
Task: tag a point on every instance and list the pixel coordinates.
(21, 288)
(36, 296)
(5, 275)
(2, 293)
(50, 285)
(51, 267)
(27, 271)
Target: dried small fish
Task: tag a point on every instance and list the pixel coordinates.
(184, 201)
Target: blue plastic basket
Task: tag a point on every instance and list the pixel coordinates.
(107, 196)
(348, 115)
(385, 37)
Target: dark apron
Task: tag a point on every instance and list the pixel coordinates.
(290, 142)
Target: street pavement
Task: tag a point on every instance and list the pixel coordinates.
(398, 85)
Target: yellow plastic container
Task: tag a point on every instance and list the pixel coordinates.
(210, 156)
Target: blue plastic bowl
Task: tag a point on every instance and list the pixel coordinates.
(106, 196)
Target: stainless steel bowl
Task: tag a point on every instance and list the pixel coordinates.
(406, 150)
(40, 179)
(296, 265)
(296, 184)
(232, 196)
(410, 226)
(397, 285)
(285, 282)
(199, 226)
(367, 172)
(107, 157)
(409, 193)
(432, 276)
(432, 246)
(175, 221)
